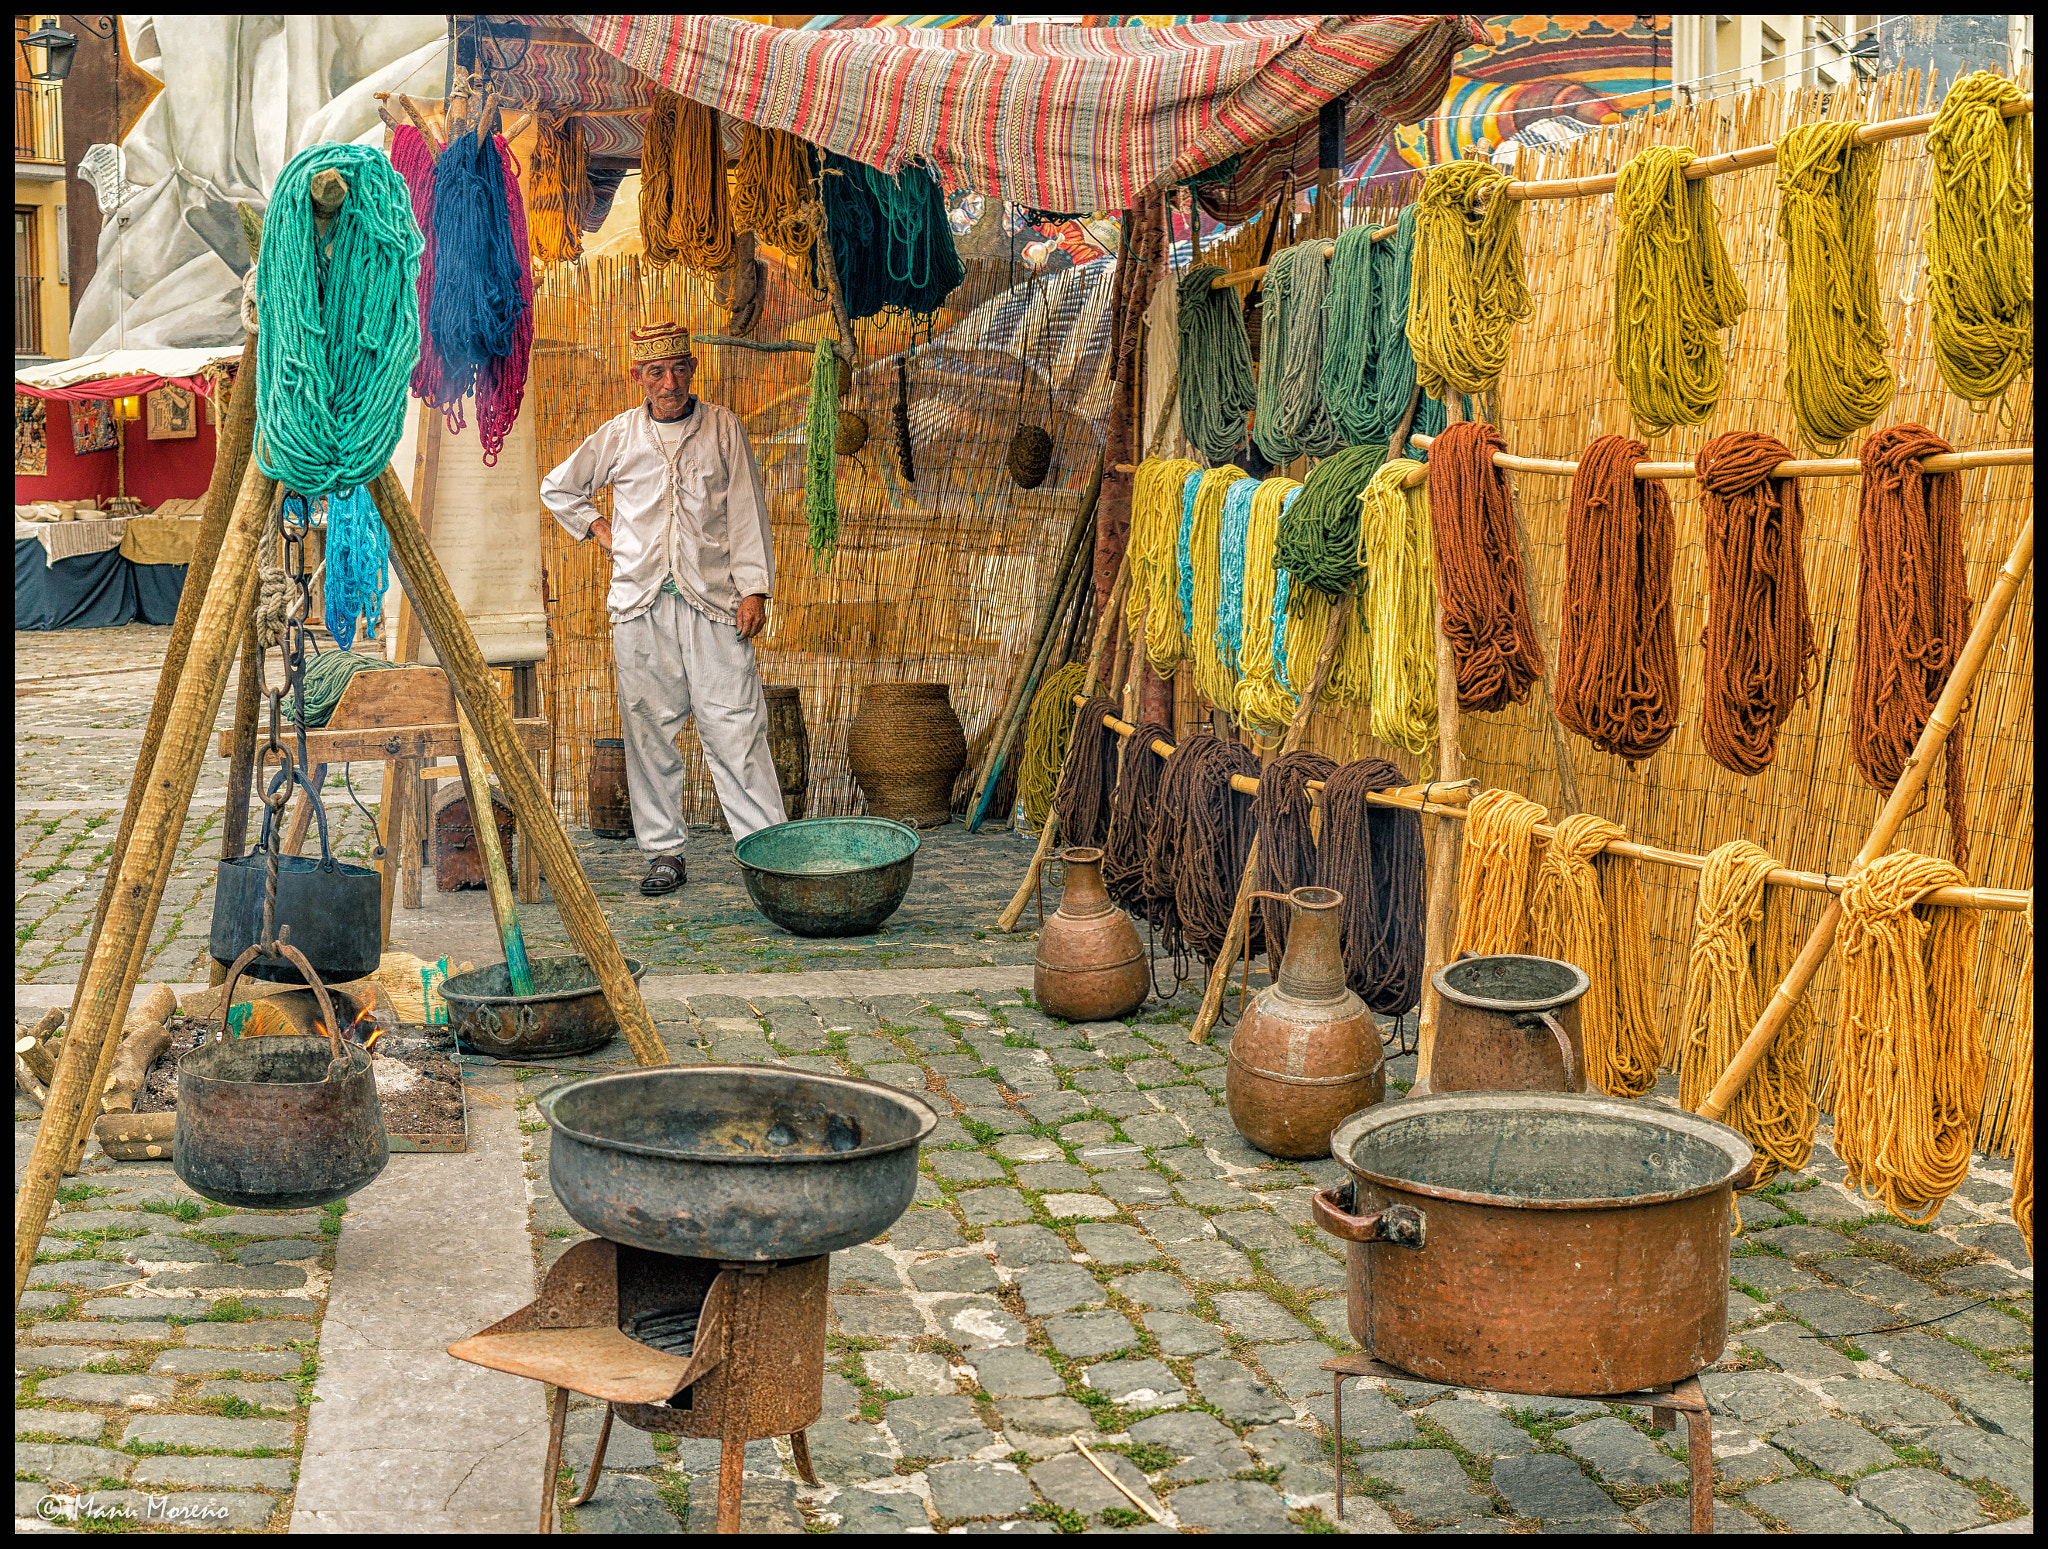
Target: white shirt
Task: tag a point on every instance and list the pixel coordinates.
(693, 509)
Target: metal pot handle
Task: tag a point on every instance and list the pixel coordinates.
(1403, 1226)
(293, 955)
(1530, 1019)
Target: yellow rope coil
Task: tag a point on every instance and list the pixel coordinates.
(1045, 740)
(1909, 1055)
(1835, 370)
(1980, 244)
(772, 190)
(685, 214)
(1468, 291)
(1394, 546)
(1212, 675)
(2023, 1103)
(1494, 872)
(1155, 559)
(1674, 289)
(1742, 946)
(1262, 704)
(1586, 908)
(560, 192)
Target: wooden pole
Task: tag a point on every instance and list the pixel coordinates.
(1241, 911)
(234, 828)
(1446, 843)
(476, 784)
(426, 584)
(397, 832)
(1905, 796)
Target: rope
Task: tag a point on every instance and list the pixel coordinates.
(1394, 550)
(1088, 776)
(1759, 641)
(2023, 1105)
(684, 214)
(273, 591)
(821, 437)
(414, 162)
(358, 549)
(1214, 680)
(561, 187)
(1617, 673)
(335, 357)
(1479, 570)
(1349, 380)
(1909, 1056)
(773, 190)
(326, 675)
(1393, 272)
(1494, 872)
(1980, 245)
(1742, 947)
(1269, 422)
(1912, 612)
(1282, 812)
(1835, 370)
(1673, 289)
(1200, 843)
(1469, 293)
(1045, 740)
(1318, 544)
(1304, 414)
(1133, 814)
(1373, 856)
(1586, 908)
(1155, 573)
(1217, 393)
(1261, 703)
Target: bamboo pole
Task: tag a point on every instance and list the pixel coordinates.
(476, 784)
(1948, 709)
(426, 584)
(1248, 276)
(1047, 648)
(1446, 848)
(108, 982)
(1241, 910)
(1801, 468)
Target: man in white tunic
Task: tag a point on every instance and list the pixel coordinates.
(692, 570)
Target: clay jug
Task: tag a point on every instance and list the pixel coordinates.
(1509, 1023)
(1306, 1056)
(1090, 965)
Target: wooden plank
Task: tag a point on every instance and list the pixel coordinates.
(404, 696)
(330, 745)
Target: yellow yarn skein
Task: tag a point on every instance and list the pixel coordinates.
(1835, 370)
(1980, 243)
(1205, 536)
(1468, 291)
(1155, 560)
(685, 210)
(1494, 872)
(1395, 547)
(1262, 704)
(1673, 290)
(1586, 908)
(771, 189)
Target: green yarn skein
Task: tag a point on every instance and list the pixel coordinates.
(821, 441)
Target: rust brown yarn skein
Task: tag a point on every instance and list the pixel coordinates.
(1479, 570)
(1617, 675)
(1759, 640)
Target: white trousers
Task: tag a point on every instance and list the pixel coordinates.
(674, 661)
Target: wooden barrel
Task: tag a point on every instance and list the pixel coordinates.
(789, 744)
(611, 808)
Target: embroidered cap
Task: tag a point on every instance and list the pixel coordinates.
(659, 341)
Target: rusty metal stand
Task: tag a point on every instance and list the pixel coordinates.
(1682, 1397)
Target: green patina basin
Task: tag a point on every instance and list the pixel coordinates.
(828, 876)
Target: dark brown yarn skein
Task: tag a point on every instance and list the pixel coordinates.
(1133, 813)
(1215, 836)
(1087, 779)
(1373, 856)
(1287, 847)
(904, 465)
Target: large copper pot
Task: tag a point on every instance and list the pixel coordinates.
(1537, 1242)
(1508, 1023)
(1306, 1054)
(1090, 965)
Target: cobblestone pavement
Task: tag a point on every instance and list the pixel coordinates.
(1093, 1249)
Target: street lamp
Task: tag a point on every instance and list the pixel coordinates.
(58, 46)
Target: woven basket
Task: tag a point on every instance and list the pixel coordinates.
(906, 748)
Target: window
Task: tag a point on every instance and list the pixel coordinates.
(28, 284)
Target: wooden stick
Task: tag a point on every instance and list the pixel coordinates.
(1239, 929)
(1136, 1499)
(1446, 843)
(419, 122)
(420, 573)
(1802, 468)
(476, 784)
(765, 346)
(830, 265)
(1904, 797)
(1248, 276)
(234, 828)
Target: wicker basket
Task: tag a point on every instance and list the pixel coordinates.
(905, 748)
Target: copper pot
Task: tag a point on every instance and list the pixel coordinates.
(1508, 1023)
(1090, 965)
(1537, 1242)
(1307, 1053)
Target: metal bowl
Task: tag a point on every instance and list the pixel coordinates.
(745, 1162)
(828, 876)
(566, 1014)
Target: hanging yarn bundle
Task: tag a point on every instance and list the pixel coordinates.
(821, 426)
(1495, 870)
(1282, 813)
(685, 216)
(892, 244)
(1674, 289)
(1045, 740)
(1373, 856)
(1299, 630)
(414, 162)
(335, 353)
(1909, 1054)
(1269, 423)
(1184, 559)
(1393, 272)
(480, 311)
(1759, 646)
(1133, 814)
(1082, 800)
(1742, 947)
(501, 381)
(1586, 908)
(1980, 248)
(1304, 414)
(1349, 380)
(1217, 393)
(358, 550)
(772, 189)
(1468, 292)
(1152, 603)
(1617, 672)
(561, 188)
(906, 468)
(1479, 570)
(1394, 550)
(1201, 842)
(1214, 681)
(1230, 582)
(1835, 370)
(1261, 703)
(1912, 612)
(1318, 545)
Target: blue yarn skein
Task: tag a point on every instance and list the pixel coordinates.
(357, 551)
(477, 302)
(1237, 521)
(1280, 581)
(1185, 549)
(340, 329)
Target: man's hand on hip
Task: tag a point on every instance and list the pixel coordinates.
(753, 615)
(601, 530)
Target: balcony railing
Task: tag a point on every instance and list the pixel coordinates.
(38, 122)
(28, 314)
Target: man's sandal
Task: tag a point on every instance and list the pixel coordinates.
(664, 875)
